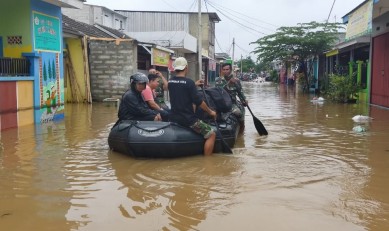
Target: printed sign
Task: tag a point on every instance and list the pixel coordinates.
(360, 21)
(159, 57)
(46, 30)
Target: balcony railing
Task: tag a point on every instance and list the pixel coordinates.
(14, 67)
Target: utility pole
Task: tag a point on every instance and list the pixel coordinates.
(233, 51)
(241, 63)
(199, 41)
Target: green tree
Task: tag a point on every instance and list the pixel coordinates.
(297, 44)
(246, 63)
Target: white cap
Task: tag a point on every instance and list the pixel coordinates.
(180, 64)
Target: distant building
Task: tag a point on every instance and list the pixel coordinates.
(93, 14)
(177, 31)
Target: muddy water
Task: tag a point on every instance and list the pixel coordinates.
(313, 172)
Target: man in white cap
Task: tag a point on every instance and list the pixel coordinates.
(183, 95)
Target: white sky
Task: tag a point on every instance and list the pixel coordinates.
(245, 20)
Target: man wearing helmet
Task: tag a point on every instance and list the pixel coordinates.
(132, 105)
(183, 95)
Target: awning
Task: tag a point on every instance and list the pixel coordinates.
(164, 49)
(332, 53)
(207, 57)
(359, 40)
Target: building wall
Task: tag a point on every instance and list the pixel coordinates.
(74, 48)
(379, 94)
(156, 21)
(207, 33)
(92, 14)
(381, 25)
(111, 65)
(15, 24)
(25, 102)
(26, 27)
(85, 14)
(49, 81)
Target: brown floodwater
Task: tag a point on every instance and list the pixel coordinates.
(312, 172)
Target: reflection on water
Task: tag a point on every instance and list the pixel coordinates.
(313, 172)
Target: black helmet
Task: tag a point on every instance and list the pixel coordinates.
(139, 78)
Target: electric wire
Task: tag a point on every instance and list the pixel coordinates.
(332, 7)
(247, 28)
(245, 20)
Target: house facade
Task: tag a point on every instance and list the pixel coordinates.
(148, 54)
(364, 51)
(99, 61)
(380, 55)
(31, 61)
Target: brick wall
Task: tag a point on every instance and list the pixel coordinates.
(111, 66)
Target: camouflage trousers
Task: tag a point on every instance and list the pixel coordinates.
(202, 128)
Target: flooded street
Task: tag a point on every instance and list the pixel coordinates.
(313, 172)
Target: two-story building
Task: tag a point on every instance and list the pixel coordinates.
(365, 50)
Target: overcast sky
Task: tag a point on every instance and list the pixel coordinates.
(245, 20)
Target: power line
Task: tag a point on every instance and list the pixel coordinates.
(330, 11)
(241, 48)
(242, 25)
(175, 26)
(239, 13)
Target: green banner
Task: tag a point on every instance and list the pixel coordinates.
(47, 35)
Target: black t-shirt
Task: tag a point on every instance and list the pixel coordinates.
(183, 94)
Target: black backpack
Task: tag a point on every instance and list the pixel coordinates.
(221, 99)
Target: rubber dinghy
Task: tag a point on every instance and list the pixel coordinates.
(150, 139)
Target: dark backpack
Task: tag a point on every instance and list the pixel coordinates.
(221, 99)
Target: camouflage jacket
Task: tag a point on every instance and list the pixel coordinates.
(160, 93)
(232, 86)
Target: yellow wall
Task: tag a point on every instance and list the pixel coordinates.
(25, 102)
(75, 50)
(16, 51)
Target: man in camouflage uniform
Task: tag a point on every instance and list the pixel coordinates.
(232, 85)
(160, 90)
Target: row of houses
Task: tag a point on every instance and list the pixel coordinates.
(363, 50)
(58, 51)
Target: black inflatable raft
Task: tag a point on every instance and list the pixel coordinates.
(149, 139)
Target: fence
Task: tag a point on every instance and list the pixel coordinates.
(14, 67)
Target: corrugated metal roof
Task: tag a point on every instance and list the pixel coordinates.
(212, 15)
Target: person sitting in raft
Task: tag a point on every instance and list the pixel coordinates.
(161, 88)
(183, 94)
(149, 96)
(132, 105)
